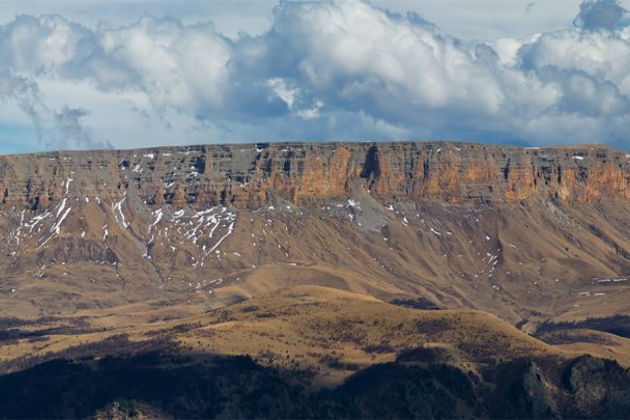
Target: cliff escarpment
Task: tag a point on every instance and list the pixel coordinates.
(531, 234)
(249, 175)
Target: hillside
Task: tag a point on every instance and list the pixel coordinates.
(306, 351)
(527, 234)
(321, 262)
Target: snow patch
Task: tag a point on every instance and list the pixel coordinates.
(118, 207)
(230, 229)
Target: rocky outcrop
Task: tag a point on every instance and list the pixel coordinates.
(248, 175)
(598, 388)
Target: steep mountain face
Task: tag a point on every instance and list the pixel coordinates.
(248, 176)
(530, 234)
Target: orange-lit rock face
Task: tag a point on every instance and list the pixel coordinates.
(252, 175)
(520, 183)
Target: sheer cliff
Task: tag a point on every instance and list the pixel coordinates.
(246, 176)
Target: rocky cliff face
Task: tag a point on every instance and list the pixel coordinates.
(246, 176)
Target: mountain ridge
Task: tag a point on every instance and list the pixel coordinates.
(250, 175)
(530, 234)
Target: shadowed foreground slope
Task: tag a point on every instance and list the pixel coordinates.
(430, 364)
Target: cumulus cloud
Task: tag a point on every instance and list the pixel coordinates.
(600, 14)
(25, 94)
(332, 70)
(72, 134)
(49, 47)
(65, 124)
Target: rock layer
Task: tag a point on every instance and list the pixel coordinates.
(249, 175)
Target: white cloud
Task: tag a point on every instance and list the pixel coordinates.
(600, 15)
(177, 66)
(324, 70)
(282, 91)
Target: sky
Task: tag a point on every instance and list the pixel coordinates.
(89, 74)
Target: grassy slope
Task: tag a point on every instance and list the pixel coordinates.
(324, 331)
